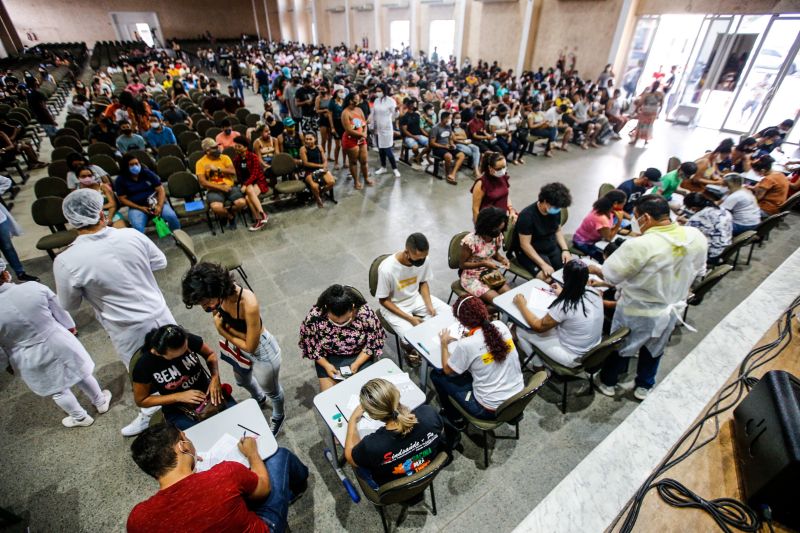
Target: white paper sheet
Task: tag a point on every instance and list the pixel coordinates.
(456, 331)
(225, 449)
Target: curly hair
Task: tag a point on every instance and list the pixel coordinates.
(489, 219)
(555, 194)
(471, 313)
(206, 280)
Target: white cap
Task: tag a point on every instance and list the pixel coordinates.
(82, 207)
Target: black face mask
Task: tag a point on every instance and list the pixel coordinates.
(417, 262)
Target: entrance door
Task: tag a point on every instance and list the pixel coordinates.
(137, 26)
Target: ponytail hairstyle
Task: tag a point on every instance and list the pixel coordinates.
(603, 205)
(488, 160)
(339, 299)
(381, 401)
(471, 313)
(159, 340)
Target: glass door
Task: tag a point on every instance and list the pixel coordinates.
(769, 94)
(643, 36)
(701, 61)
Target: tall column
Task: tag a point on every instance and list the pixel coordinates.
(8, 33)
(414, 33)
(266, 16)
(461, 12)
(314, 24)
(526, 33)
(627, 12)
(376, 23)
(347, 22)
(255, 19)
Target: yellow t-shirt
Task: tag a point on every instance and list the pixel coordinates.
(205, 163)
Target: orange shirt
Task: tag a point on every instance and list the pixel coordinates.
(776, 187)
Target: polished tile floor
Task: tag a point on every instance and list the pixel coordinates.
(83, 479)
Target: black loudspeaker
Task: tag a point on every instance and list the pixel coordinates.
(767, 436)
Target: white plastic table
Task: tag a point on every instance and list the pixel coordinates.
(234, 420)
(538, 294)
(424, 338)
(332, 403)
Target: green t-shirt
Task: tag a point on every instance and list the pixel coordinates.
(669, 184)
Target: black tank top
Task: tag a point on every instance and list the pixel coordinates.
(238, 324)
(314, 155)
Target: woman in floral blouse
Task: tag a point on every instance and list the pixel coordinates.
(340, 330)
(481, 252)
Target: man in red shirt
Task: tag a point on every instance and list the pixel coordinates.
(228, 497)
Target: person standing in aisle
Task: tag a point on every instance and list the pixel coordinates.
(112, 269)
(383, 111)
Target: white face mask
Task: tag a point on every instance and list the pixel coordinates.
(498, 173)
(378, 95)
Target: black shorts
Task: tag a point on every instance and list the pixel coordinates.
(440, 152)
(338, 362)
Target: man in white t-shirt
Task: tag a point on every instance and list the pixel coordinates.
(553, 117)
(403, 286)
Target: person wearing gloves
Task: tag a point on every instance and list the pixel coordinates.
(653, 273)
(383, 111)
(9, 228)
(38, 344)
(112, 269)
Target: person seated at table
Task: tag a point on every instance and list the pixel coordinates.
(601, 224)
(408, 442)
(491, 188)
(767, 140)
(88, 180)
(715, 222)
(340, 330)
(480, 370)
(573, 324)
(636, 187)
(538, 242)
(246, 344)
(216, 174)
(707, 168)
(315, 166)
(671, 182)
(773, 188)
(741, 156)
(250, 176)
(481, 256)
(169, 374)
(141, 191)
(742, 205)
(236, 498)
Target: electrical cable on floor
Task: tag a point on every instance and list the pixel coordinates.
(725, 511)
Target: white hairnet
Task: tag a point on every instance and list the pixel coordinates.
(82, 207)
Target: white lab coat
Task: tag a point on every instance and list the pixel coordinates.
(383, 117)
(113, 270)
(35, 340)
(654, 273)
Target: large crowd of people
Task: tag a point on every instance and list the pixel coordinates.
(320, 102)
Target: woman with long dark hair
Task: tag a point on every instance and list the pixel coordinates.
(601, 224)
(573, 324)
(481, 369)
(246, 344)
(482, 257)
(340, 331)
(491, 188)
(354, 138)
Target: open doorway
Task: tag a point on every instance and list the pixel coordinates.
(399, 34)
(137, 26)
(442, 38)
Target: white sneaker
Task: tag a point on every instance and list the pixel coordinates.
(103, 407)
(396, 173)
(72, 423)
(640, 393)
(602, 387)
(380, 171)
(139, 424)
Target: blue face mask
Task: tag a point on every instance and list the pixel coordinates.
(135, 169)
(553, 210)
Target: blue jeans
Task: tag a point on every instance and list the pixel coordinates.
(287, 476)
(181, 420)
(7, 247)
(589, 249)
(738, 228)
(139, 219)
(646, 369)
(458, 387)
(238, 87)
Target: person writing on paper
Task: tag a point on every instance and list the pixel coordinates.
(38, 344)
(404, 287)
(539, 243)
(742, 205)
(251, 349)
(169, 374)
(481, 256)
(601, 224)
(653, 273)
(341, 334)
(120, 288)
(481, 370)
(573, 324)
(405, 445)
(227, 497)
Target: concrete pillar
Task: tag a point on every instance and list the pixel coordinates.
(460, 12)
(11, 42)
(527, 20)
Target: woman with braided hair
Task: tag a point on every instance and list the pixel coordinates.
(406, 444)
(480, 370)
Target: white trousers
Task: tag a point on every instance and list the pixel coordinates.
(67, 401)
(549, 344)
(415, 307)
